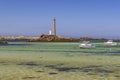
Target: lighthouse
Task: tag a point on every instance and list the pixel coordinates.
(54, 27)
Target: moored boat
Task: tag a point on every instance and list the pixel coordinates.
(111, 43)
(87, 44)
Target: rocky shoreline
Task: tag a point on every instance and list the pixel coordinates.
(42, 38)
(47, 38)
(53, 38)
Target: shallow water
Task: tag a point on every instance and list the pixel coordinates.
(59, 47)
(56, 61)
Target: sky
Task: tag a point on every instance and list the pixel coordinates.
(74, 18)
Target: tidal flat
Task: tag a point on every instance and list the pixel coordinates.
(59, 61)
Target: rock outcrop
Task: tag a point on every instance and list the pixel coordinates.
(3, 42)
(53, 38)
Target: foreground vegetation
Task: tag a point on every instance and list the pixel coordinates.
(59, 61)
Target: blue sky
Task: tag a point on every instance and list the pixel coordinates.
(75, 18)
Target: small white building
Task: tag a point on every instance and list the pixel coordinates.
(50, 32)
(87, 44)
(111, 43)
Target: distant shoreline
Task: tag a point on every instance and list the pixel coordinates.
(49, 38)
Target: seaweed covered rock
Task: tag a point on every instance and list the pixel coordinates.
(3, 42)
(53, 38)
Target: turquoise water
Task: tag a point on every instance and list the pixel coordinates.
(62, 48)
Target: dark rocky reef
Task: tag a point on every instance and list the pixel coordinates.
(88, 38)
(3, 42)
(53, 38)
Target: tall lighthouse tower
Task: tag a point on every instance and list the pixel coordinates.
(54, 27)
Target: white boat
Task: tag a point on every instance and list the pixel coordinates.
(87, 44)
(111, 43)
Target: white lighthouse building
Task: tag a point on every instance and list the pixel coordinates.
(53, 32)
